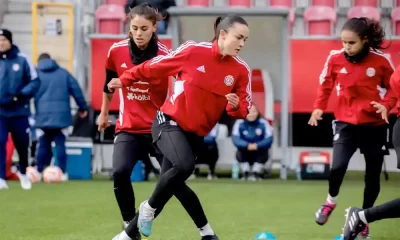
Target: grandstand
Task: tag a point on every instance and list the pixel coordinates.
(104, 21)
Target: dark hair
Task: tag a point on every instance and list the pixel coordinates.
(224, 23)
(44, 56)
(368, 29)
(147, 11)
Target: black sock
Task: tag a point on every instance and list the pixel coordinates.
(387, 210)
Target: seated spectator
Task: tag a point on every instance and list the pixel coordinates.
(209, 154)
(253, 138)
(53, 111)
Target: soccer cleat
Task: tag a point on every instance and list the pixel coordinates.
(323, 213)
(124, 236)
(214, 237)
(124, 224)
(353, 224)
(3, 184)
(64, 177)
(26, 183)
(145, 220)
(365, 233)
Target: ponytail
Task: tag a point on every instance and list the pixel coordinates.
(368, 29)
(216, 23)
(225, 22)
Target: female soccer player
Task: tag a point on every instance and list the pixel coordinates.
(138, 102)
(210, 78)
(360, 75)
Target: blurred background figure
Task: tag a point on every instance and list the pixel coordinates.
(160, 5)
(53, 111)
(209, 154)
(18, 83)
(253, 138)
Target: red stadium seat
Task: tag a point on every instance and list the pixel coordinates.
(370, 3)
(116, 2)
(368, 12)
(320, 20)
(286, 3)
(240, 3)
(110, 19)
(396, 21)
(397, 3)
(329, 3)
(198, 3)
(292, 16)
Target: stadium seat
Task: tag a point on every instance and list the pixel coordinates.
(286, 3)
(329, 3)
(370, 3)
(397, 3)
(365, 11)
(319, 20)
(396, 21)
(110, 19)
(240, 3)
(198, 3)
(116, 2)
(291, 16)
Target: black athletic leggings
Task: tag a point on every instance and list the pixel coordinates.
(179, 149)
(387, 210)
(129, 148)
(372, 142)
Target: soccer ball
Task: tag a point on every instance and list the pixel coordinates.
(52, 174)
(33, 174)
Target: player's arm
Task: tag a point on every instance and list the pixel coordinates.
(243, 90)
(266, 142)
(158, 67)
(236, 138)
(389, 100)
(111, 72)
(326, 84)
(395, 82)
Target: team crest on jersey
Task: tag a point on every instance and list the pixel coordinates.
(15, 67)
(371, 72)
(258, 131)
(228, 80)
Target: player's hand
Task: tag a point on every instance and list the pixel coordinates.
(113, 84)
(316, 115)
(233, 100)
(103, 122)
(381, 109)
(252, 147)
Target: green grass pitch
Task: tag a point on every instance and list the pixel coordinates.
(80, 210)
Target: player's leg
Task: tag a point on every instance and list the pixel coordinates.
(61, 151)
(44, 153)
(344, 146)
(357, 218)
(19, 129)
(260, 160)
(396, 140)
(242, 156)
(213, 159)
(126, 150)
(189, 201)
(3, 142)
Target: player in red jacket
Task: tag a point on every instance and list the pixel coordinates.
(210, 78)
(359, 75)
(139, 103)
(357, 218)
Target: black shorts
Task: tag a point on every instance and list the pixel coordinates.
(369, 139)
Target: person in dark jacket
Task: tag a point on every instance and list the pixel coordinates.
(53, 111)
(18, 83)
(253, 138)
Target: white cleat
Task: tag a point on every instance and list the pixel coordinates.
(3, 184)
(64, 177)
(122, 236)
(26, 183)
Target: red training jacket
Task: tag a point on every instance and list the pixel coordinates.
(139, 101)
(357, 84)
(204, 77)
(395, 84)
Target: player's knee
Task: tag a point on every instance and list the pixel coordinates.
(185, 168)
(121, 172)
